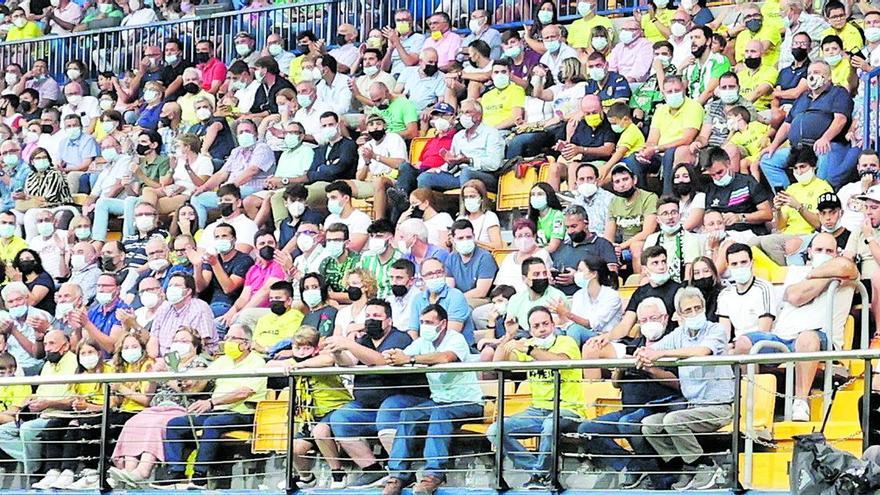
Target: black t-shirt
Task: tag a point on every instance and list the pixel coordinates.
(223, 144)
(371, 390)
(264, 100)
(666, 292)
(742, 195)
(48, 302)
(238, 265)
(322, 320)
(170, 73)
(569, 255)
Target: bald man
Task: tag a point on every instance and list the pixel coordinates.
(756, 77)
(587, 139)
(346, 53)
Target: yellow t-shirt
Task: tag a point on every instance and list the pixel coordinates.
(13, 396)
(498, 104)
(749, 81)
(319, 395)
(673, 123)
(808, 195)
(751, 139)
(272, 328)
(664, 16)
(580, 31)
(295, 69)
(223, 386)
(840, 73)
(8, 250)
(632, 139)
(66, 366)
(769, 31)
(29, 31)
(93, 393)
(852, 38)
(129, 405)
(541, 381)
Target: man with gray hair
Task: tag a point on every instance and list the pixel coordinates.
(84, 269)
(709, 391)
(413, 242)
(68, 298)
(578, 244)
(25, 328)
(800, 22)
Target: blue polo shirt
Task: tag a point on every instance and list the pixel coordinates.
(810, 118)
(586, 136)
(456, 306)
(790, 77)
(616, 88)
(106, 321)
(79, 150)
(481, 266)
(149, 116)
(432, 252)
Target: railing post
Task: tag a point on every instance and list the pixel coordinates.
(289, 482)
(866, 406)
(500, 484)
(554, 445)
(734, 442)
(105, 440)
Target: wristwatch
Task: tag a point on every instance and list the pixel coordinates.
(742, 218)
(285, 181)
(529, 349)
(412, 361)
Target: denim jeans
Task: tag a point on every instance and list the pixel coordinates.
(624, 423)
(664, 161)
(357, 420)
(434, 423)
(213, 426)
(579, 333)
(834, 166)
(112, 206)
(531, 422)
(444, 181)
(528, 144)
(209, 201)
(20, 442)
(407, 177)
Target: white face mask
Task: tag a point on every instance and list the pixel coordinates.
(149, 299)
(181, 348)
(652, 330)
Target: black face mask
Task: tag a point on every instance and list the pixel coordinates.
(626, 194)
(25, 106)
(873, 173)
(278, 307)
(300, 359)
(267, 253)
(28, 267)
(107, 264)
(382, 106)
(799, 54)
(340, 40)
(47, 129)
(430, 69)
(225, 209)
(164, 122)
(191, 88)
(698, 52)
(540, 285)
(578, 237)
(752, 62)
(682, 188)
(202, 57)
(472, 61)
(754, 25)
(377, 135)
(53, 356)
(417, 213)
(704, 284)
(399, 290)
(355, 293)
(142, 149)
(374, 328)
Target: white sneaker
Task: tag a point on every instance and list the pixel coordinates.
(87, 481)
(47, 481)
(800, 410)
(64, 481)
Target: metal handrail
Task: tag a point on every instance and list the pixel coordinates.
(871, 84)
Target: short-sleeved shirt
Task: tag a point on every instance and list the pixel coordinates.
(65, 367)
(790, 77)
(751, 138)
(750, 80)
(702, 384)
(580, 32)
(522, 302)
(551, 226)
(381, 271)
(447, 47)
(272, 328)
(399, 114)
(570, 254)
(589, 137)
(541, 382)
(742, 195)
(681, 248)
(791, 320)
(455, 304)
(629, 215)
(616, 89)
(170, 73)
(238, 265)
(322, 320)
(632, 139)
(697, 75)
(498, 104)
(810, 118)
(106, 320)
(481, 266)
(422, 91)
(769, 32)
(13, 396)
(357, 222)
(666, 292)
(223, 386)
(852, 37)
(43, 279)
(259, 274)
(808, 195)
(449, 387)
(372, 390)
(334, 272)
(664, 16)
(745, 309)
(672, 123)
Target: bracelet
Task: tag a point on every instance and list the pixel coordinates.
(211, 401)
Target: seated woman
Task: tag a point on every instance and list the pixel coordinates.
(189, 169)
(315, 295)
(27, 267)
(476, 207)
(45, 188)
(183, 222)
(139, 446)
(350, 319)
(81, 230)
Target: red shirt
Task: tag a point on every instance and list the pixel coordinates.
(430, 157)
(213, 70)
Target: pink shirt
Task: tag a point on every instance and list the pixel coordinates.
(447, 47)
(257, 275)
(213, 70)
(632, 61)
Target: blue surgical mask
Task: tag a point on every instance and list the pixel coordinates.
(429, 332)
(435, 285)
(695, 322)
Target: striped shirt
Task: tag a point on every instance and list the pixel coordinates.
(381, 271)
(49, 185)
(745, 309)
(195, 314)
(334, 272)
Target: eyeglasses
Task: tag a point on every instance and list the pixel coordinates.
(693, 310)
(434, 274)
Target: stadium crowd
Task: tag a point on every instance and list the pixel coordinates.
(270, 208)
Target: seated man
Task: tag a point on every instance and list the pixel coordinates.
(339, 261)
(454, 396)
(632, 216)
(437, 292)
(580, 243)
(589, 139)
(381, 154)
(253, 301)
(544, 345)
(802, 324)
(744, 203)
(220, 273)
(100, 322)
(182, 307)
(471, 268)
(708, 390)
(749, 305)
(231, 213)
(380, 255)
(282, 321)
(230, 408)
(756, 76)
(536, 275)
(684, 245)
(628, 58)
(504, 104)
(608, 85)
(335, 159)
(24, 328)
(433, 156)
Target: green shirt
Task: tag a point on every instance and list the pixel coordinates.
(295, 162)
(381, 271)
(160, 167)
(521, 303)
(551, 226)
(399, 113)
(630, 216)
(333, 271)
(697, 77)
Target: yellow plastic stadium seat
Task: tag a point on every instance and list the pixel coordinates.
(544, 172)
(415, 149)
(513, 193)
(270, 426)
(500, 254)
(80, 199)
(767, 269)
(602, 398)
(364, 205)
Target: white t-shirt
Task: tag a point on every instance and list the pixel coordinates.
(604, 313)
(482, 225)
(140, 18)
(88, 109)
(49, 252)
(357, 222)
(567, 100)
(510, 271)
(438, 223)
(245, 229)
(392, 145)
(744, 310)
(201, 166)
(793, 320)
(537, 110)
(699, 202)
(247, 95)
(853, 209)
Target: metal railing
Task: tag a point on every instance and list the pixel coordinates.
(504, 370)
(120, 49)
(870, 85)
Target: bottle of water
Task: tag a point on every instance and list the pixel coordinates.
(481, 475)
(470, 475)
(324, 475)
